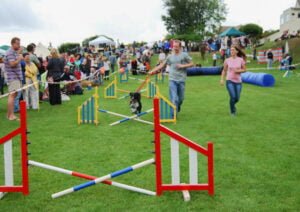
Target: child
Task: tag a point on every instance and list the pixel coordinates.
(214, 57)
(106, 65)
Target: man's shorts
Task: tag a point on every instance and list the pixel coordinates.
(14, 85)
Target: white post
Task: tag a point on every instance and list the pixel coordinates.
(193, 166)
(175, 165)
(8, 165)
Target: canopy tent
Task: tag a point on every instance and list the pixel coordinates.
(4, 47)
(101, 40)
(232, 32)
(42, 51)
(2, 52)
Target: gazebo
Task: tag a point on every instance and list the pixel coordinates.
(231, 32)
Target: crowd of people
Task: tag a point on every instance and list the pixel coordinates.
(58, 75)
(89, 67)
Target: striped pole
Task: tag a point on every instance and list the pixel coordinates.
(101, 179)
(133, 78)
(131, 117)
(78, 115)
(123, 116)
(92, 110)
(127, 95)
(88, 110)
(89, 177)
(83, 113)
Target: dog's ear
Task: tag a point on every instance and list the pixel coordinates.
(131, 94)
(138, 95)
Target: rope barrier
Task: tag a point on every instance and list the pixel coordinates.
(93, 74)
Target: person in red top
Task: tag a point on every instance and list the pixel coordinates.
(233, 67)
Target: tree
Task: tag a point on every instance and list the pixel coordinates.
(68, 47)
(86, 41)
(193, 17)
(254, 31)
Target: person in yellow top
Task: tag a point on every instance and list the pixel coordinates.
(31, 93)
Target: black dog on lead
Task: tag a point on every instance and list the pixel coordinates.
(135, 102)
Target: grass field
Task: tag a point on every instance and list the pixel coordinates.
(256, 153)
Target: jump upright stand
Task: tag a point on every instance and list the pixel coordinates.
(8, 157)
(124, 77)
(110, 92)
(175, 185)
(194, 150)
(160, 77)
(87, 113)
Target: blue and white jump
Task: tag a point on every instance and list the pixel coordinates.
(132, 117)
(124, 116)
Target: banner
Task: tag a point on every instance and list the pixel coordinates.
(262, 55)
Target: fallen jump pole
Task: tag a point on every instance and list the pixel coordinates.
(127, 95)
(124, 116)
(132, 117)
(101, 179)
(89, 177)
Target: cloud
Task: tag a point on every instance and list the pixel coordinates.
(59, 21)
(18, 15)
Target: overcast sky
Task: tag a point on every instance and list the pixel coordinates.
(59, 21)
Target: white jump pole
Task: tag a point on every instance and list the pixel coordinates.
(103, 178)
(131, 117)
(175, 164)
(8, 165)
(89, 177)
(193, 166)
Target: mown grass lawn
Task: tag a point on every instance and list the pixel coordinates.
(256, 153)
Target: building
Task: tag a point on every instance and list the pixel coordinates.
(289, 23)
(290, 19)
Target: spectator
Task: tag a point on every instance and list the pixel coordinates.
(254, 53)
(134, 66)
(55, 69)
(113, 60)
(33, 57)
(203, 49)
(270, 57)
(214, 57)
(31, 93)
(14, 75)
(87, 65)
(1, 74)
(106, 65)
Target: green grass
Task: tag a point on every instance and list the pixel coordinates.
(256, 153)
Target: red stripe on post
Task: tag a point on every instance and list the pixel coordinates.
(24, 149)
(9, 136)
(184, 140)
(210, 164)
(157, 147)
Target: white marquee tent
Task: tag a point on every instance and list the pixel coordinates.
(41, 51)
(101, 40)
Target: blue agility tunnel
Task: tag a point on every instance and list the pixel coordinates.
(195, 71)
(260, 79)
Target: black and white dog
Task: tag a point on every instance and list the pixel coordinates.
(135, 102)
